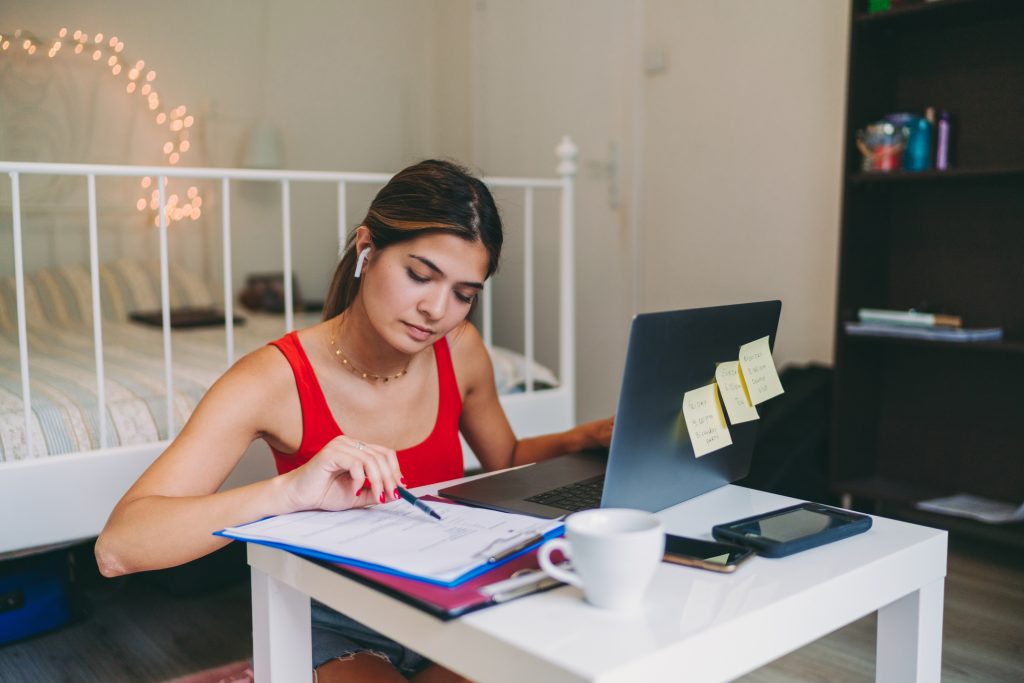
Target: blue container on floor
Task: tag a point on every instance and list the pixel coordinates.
(35, 595)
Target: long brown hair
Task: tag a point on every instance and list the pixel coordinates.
(429, 197)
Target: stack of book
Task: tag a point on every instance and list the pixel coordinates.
(875, 322)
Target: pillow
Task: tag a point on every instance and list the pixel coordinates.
(62, 296)
(128, 286)
(510, 372)
(9, 305)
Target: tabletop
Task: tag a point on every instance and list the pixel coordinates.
(704, 625)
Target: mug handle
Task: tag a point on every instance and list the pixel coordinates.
(549, 567)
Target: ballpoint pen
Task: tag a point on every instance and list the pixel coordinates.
(523, 545)
(417, 502)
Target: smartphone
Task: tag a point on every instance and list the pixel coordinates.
(799, 527)
(693, 552)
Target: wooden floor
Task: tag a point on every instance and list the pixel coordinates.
(138, 632)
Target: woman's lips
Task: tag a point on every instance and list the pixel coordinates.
(418, 333)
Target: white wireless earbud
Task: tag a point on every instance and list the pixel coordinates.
(361, 260)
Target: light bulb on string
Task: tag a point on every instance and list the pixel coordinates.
(109, 48)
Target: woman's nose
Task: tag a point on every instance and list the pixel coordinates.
(433, 305)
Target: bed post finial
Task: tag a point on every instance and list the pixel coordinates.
(566, 151)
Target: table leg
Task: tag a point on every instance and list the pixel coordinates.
(281, 642)
(909, 647)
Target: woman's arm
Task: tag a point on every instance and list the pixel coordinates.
(485, 425)
(168, 516)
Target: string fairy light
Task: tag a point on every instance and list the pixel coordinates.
(176, 121)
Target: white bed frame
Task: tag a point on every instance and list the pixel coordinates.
(48, 501)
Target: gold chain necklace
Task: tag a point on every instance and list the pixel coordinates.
(368, 376)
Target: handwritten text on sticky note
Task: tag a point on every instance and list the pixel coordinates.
(734, 394)
(705, 421)
(758, 369)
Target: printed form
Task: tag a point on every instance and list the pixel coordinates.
(401, 538)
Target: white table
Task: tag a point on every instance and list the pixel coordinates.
(713, 627)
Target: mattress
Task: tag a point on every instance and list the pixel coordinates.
(62, 365)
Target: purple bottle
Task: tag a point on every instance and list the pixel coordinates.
(942, 141)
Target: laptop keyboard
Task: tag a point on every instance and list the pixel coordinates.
(580, 495)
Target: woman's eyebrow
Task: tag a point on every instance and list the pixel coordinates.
(433, 266)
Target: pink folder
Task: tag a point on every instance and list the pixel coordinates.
(447, 603)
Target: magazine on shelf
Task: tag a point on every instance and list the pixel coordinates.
(954, 334)
(908, 318)
(975, 507)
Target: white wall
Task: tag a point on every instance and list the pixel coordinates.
(730, 155)
(352, 85)
(728, 173)
(742, 156)
(545, 69)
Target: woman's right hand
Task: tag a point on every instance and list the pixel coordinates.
(334, 478)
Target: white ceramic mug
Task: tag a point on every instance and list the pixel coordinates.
(613, 552)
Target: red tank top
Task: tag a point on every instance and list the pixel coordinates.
(436, 458)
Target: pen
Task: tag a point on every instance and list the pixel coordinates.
(417, 502)
(520, 580)
(507, 552)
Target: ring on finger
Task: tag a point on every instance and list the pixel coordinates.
(360, 445)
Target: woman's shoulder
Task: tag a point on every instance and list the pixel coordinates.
(470, 359)
(259, 371)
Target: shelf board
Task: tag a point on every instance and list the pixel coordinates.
(900, 498)
(949, 175)
(936, 13)
(1009, 346)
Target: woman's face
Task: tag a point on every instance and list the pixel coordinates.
(416, 292)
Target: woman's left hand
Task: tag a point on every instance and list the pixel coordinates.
(596, 434)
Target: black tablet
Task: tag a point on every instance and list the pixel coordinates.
(184, 317)
(790, 530)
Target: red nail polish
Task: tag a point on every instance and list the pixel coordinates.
(402, 480)
(382, 496)
(366, 484)
(396, 494)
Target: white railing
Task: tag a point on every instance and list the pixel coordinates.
(567, 167)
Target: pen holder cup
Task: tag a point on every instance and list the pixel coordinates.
(613, 554)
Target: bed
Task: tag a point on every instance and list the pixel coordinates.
(62, 468)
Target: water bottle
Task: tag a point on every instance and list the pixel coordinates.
(918, 154)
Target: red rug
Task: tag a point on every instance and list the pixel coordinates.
(236, 672)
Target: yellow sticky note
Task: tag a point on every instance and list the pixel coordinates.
(734, 394)
(705, 421)
(758, 370)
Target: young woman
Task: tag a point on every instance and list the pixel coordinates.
(371, 398)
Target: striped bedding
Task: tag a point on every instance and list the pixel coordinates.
(62, 367)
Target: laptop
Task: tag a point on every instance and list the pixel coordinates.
(650, 464)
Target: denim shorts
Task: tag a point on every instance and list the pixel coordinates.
(338, 636)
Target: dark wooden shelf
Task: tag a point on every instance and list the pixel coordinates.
(1008, 346)
(898, 498)
(949, 175)
(936, 13)
(902, 428)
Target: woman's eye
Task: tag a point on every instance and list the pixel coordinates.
(465, 298)
(416, 277)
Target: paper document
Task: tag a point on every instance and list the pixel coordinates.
(975, 507)
(734, 393)
(758, 370)
(705, 421)
(399, 538)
